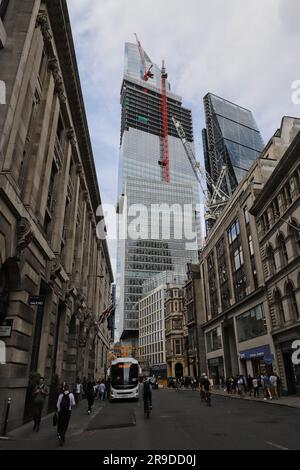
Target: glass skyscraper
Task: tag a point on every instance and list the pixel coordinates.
(231, 138)
(141, 181)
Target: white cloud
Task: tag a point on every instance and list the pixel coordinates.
(244, 51)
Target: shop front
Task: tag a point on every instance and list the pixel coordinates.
(216, 371)
(257, 361)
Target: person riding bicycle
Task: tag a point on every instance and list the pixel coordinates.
(205, 388)
(147, 395)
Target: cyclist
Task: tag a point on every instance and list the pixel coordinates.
(205, 388)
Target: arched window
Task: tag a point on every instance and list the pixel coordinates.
(282, 250)
(72, 326)
(271, 260)
(293, 306)
(294, 232)
(279, 307)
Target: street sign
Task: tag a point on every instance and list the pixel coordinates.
(36, 300)
(5, 328)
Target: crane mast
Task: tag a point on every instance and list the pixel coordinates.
(165, 131)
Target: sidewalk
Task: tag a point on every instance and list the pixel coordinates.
(79, 423)
(291, 400)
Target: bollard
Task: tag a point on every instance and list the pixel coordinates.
(6, 416)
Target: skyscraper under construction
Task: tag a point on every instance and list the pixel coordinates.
(153, 170)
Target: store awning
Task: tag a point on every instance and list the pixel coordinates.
(261, 351)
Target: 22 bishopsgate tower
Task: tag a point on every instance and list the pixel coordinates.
(157, 184)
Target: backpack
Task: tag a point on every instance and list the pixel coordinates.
(65, 403)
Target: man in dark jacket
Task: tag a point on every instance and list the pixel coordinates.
(39, 396)
(147, 395)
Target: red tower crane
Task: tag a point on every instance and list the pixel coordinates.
(165, 132)
(146, 74)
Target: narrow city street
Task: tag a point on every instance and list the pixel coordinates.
(179, 421)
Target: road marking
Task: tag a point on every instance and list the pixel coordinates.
(278, 446)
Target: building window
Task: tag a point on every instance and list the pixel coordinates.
(282, 250)
(279, 308)
(238, 258)
(223, 274)
(271, 260)
(212, 285)
(251, 324)
(213, 340)
(246, 215)
(294, 233)
(276, 208)
(288, 193)
(293, 306)
(251, 248)
(233, 231)
(177, 345)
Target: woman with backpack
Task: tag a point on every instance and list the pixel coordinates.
(65, 403)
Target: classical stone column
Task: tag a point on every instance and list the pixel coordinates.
(72, 225)
(38, 146)
(46, 172)
(61, 196)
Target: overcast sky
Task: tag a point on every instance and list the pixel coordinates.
(247, 52)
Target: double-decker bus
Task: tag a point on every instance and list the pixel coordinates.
(124, 375)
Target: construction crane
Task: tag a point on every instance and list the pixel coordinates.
(165, 131)
(216, 198)
(146, 74)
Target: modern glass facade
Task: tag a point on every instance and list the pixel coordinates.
(156, 248)
(231, 138)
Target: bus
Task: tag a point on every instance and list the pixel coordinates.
(124, 375)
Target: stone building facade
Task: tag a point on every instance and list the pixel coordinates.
(193, 312)
(277, 212)
(238, 326)
(174, 332)
(48, 200)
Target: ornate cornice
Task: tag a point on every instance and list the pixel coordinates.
(59, 84)
(43, 23)
(71, 137)
(55, 268)
(24, 235)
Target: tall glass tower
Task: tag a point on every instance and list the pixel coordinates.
(141, 181)
(231, 138)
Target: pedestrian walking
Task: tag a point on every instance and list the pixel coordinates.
(147, 396)
(102, 390)
(266, 387)
(274, 385)
(202, 389)
(240, 385)
(255, 384)
(39, 396)
(250, 384)
(65, 403)
(78, 391)
(90, 396)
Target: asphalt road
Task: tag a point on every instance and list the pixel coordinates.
(178, 421)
